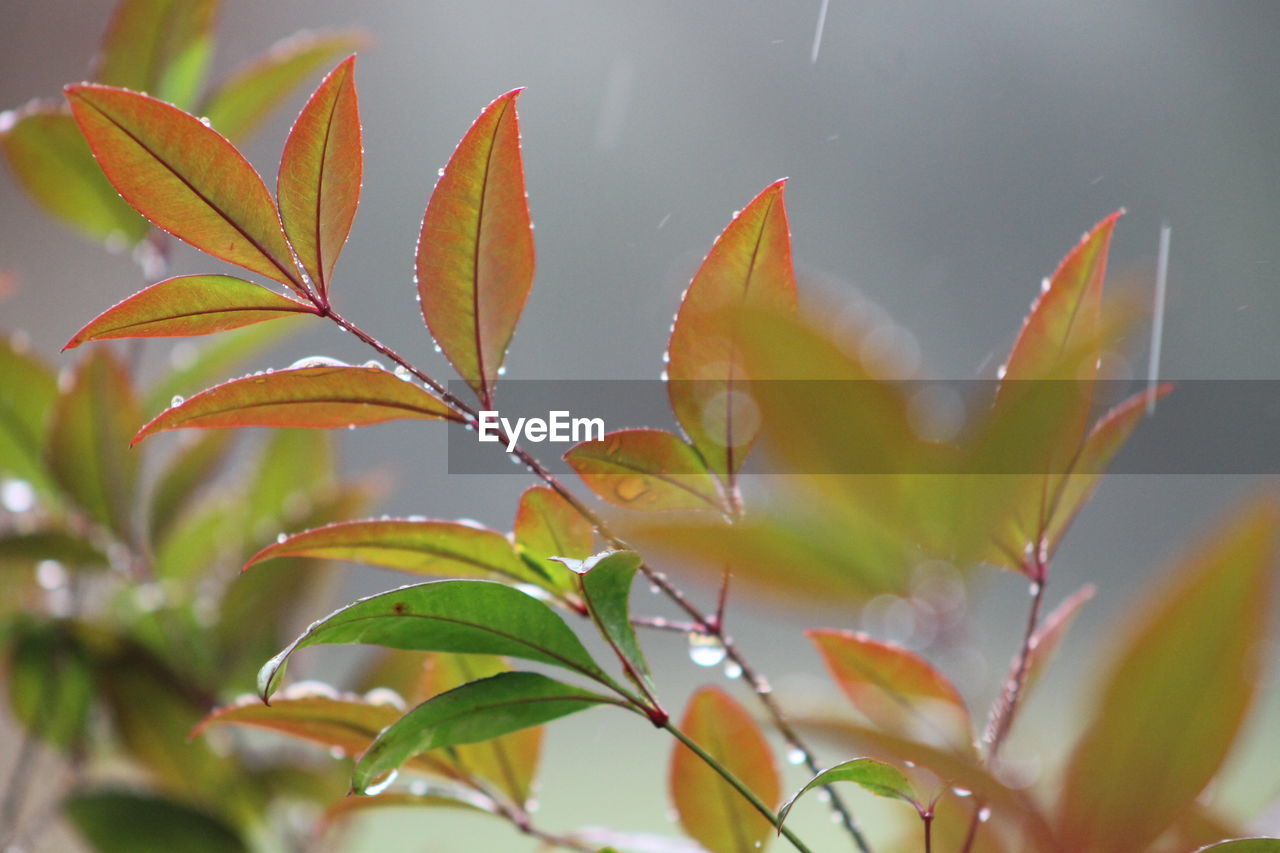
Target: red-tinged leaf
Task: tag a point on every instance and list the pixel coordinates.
(437, 548)
(1104, 441)
(240, 104)
(327, 397)
(53, 163)
(449, 797)
(320, 172)
(189, 305)
(646, 469)
(1244, 845)
(158, 46)
(1177, 693)
(711, 811)
(509, 762)
(548, 526)
(896, 689)
(185, 178)
(749, 266)
(475, 251)
(87, 448)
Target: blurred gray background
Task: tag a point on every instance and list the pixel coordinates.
(942, 156)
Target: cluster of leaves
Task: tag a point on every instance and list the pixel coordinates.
(446, 705)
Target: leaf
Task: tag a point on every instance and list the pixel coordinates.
(472, 713)
(646, 469)
(120, 821)
(1046, 640)
(320, 172)
(1186, 676)
(26, 550)
(240, 104)
(328, 397)
(50, 682)
(185, 178)
(27, 396)
(748, 266)
(548, 526)
(1245, 845)
(349, 807)
(475, 251)
(87, 449)
(189, 305)
(476, 617)
(158, 46)
(192, 466)
(421, 547)
(881, 779)
(896, 689)
(711, 811)
(52, 162)
(606, 586)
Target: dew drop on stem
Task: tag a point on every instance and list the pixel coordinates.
(705, 650)
(795, 755)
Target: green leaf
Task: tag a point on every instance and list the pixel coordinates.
(472, 713)
(1245, 845)
(25, 550)
(189, 305)
(158, 46)
(192, 466)
(468, 616)
(185, 178)
(548, 526)
(646, 469)
(52, 162)
(118, 821)
(240, 104)
(51, 683)
(1185, 678)
(27, 395)
(883, 780)
(326, 397)
(711, 811)
(421, 547)
(88, 446)
(749, 265)
(606, 586)
(475, 251)
(896, 689)
(320, 172)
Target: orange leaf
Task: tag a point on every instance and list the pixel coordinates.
(189, 305)
(897, 690)
(326, 397)
(320, 172)
(749, 266)
(475, 252)
(185, 178)
(646, 469)
(711, 811)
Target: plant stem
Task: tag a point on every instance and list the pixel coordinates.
(928, 832)
(737, 784)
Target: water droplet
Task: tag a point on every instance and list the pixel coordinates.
(418, 788)
(502, 371)
(351, 426)
(984, 814)
(1033, 589)
(440, 172)
(337, 752)
(51, 575)
(176, 401)
(1045, 285)
(373, 362)
(732, 669)
(437, 348)
(824, 795)
(795, 755)
(629, 489)
(385, 696)
(281, 538)
(962, 792)
(17, 496)
(316, 361)
(705, 650)
(402, 372)
(1001, 371)
(205, 121)
(664, 376)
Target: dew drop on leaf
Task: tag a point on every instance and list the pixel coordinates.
(705, 650)
(631, 488)
(378, 787)
(984, 814)
(281, 538)
(177, 400)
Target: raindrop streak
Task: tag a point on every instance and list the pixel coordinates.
(817, 35)
(378, 787)
(705, 650)
(1157, 316)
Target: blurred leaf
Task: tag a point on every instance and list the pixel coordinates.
(1245, 845)
(88, 446)
(548, 526)
(24, 550)
(328, 397)
(192, 466)
(711, 811)
(475, 252)
(294, 467)
(748, 265)
(189, 305)
(1185, 677)
(240, 104)
(26, 398)
(476, 617)
(883, 780)
(185, 178)
(646, 469)
(398, 670)
(320, 172)
(472, 713)
(51, 682)
(352, 806)
(1047, 639)
(896, 689)
(53, 163)
(606, 586)
(158, 46)
(440, 548)
(118, 821)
